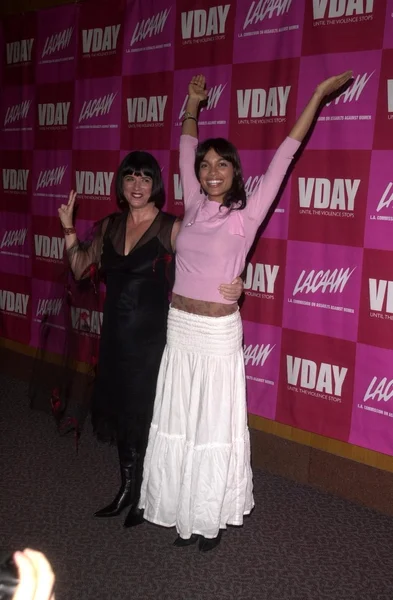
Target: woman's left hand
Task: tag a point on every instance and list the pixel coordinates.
(331, 85)
(232, 291)
(36, 578)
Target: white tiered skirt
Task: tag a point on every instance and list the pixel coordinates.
(197, 472)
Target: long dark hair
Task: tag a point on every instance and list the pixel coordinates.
(235, 198)
(141, 164)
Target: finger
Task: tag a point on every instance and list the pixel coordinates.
(44, 574)
(230, 296)
(227, 288)
(26, 587)
(345, 76)
(201, 81)
(72, 201)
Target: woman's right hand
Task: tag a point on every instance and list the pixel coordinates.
(66, 211)
(196, 88)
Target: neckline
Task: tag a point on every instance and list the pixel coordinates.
(124, 255)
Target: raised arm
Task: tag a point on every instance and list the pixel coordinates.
(261, 200)
(80, 254)
(189, 139)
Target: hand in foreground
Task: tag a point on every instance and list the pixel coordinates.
(232, 291)
(36, 578)
(66, 210)
(196, 88)
(332, 84)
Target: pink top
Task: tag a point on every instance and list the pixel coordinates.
(212, 244)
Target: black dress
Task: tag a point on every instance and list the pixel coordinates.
(119, 389)
(133, 331)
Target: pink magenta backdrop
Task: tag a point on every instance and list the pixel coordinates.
(82, 85)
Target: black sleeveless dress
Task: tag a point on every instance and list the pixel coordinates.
(133, 331)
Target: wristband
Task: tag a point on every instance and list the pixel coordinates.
(69, 230)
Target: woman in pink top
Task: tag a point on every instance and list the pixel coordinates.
(197, 473)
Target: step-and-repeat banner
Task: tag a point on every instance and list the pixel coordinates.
(82, 85)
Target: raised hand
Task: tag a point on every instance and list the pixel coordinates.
(66, 211)
(331, 85)
(196, 88)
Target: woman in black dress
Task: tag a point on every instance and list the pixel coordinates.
(134, 250)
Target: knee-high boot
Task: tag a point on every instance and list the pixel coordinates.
(125, 496)
(135, 515)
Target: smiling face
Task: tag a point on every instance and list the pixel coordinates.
(215, 175)
(137, 190)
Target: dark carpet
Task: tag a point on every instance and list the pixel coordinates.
(298, 544)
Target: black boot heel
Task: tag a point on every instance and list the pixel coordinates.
(134, 518)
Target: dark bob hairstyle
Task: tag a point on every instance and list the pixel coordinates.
(235, 198)
(141, 164)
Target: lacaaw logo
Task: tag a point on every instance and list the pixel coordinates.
(15, 180)
(16, 113)
(100, 41)
(384, 204)
(86, 321)
(48, 307)
(213, 99)
(381, 298)
(50, 177)
(380, 389)
(343, 11)
(13, 241)
(96, 107)
(390, 98)
(200, 26)
(14, 303)
(53, 116)
(94, 185)
(146, 111)
(331, 281)
(321, 196)
(20, 52)
(148, 28)
(320, 380)
(262, 105)
(49, 248)
(56, 43)
(260, 280)
(256, 355)
(265, 9)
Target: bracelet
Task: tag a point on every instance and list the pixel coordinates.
(188, 115)
(69, 230)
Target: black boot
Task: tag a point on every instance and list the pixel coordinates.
(135, 516)
(124, 497)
